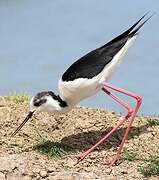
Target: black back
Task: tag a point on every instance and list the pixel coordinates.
(94, 62)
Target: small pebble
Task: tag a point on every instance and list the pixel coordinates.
(108, 170)
(50, 169)
(38, 177)
(2, 176)
(36, 170)
(27, 178)
(24, 172)
(43, 173)
(31, 174)
(124, 171)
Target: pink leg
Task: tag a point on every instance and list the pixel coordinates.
(130, 111)
(139, 101)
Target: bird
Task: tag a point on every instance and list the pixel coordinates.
(86, 77)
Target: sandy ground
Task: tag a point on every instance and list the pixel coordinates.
(20, 157)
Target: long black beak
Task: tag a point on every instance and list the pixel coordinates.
(30, 114)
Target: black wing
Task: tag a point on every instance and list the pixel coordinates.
(94, 62)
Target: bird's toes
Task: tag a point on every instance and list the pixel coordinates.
(112, 162)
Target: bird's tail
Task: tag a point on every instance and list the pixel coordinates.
(131, 31)
(136, 30)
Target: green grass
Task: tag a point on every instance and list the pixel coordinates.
(152, 169)
(54, 149)
(18, 98)
(129, 156)
(153, 122)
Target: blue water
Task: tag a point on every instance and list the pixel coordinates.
(40, 39)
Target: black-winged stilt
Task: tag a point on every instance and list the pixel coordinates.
(86, 77)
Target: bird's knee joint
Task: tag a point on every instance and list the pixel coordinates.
(130, 111)
(139, 99)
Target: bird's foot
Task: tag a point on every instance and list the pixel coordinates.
(113, 161)
(80, 157)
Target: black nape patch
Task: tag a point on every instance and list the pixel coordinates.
(57, 97)
(62, 103)
(40, 98)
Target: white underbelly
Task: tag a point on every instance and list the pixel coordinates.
(75, 91)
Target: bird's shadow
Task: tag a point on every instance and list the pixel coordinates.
(84, 140)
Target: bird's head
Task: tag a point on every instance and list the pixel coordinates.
(45, 101)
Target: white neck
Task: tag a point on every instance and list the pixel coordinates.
(56, 105)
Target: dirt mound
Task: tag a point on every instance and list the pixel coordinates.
(47, 145)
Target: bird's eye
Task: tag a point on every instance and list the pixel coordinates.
(39, 102)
